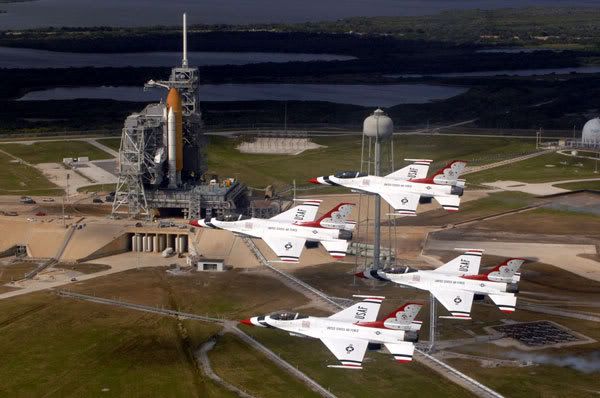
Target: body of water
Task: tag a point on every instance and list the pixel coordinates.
(30, 58)
(357, 94)
(517, 72)
(85, 13)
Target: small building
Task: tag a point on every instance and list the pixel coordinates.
(209, 264)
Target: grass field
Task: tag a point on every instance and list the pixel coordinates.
(543, 220)
(344, 153)
(494, 203)
(15, 271)
(573, 186)
(56, 347)
(98, 188)
(85, 268)
(113, 143)
(54, 151)
(535, 170)
(251, 371)
(20, 179)
(381, 375)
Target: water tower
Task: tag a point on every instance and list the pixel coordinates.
(377, 158)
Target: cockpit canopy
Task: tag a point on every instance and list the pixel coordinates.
(287, 316)
(400, 270)
(349, 174)
(232, 217)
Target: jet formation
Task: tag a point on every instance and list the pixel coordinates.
(349, 333)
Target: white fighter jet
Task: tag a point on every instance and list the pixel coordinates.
(287, 233)
(349, 333)
(457, 283)
(404, 189)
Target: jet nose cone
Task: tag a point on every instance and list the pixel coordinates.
(246, 322)
(314, 181)
(360, 275)
(194, 223)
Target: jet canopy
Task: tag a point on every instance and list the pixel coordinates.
(232, 217)
(400, 270)
(287, 316)
(349, 174)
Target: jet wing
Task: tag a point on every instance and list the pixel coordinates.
(402, 352)
(336, 248)
(505, 302)
(449, 203)
(288, 249)
(307, 211)
(364, 311)
(458, 302)
(350, 352)
(403, 203)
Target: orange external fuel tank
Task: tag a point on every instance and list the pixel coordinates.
(174, 103)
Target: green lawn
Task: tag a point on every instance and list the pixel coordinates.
(20, 179)
(344, 153)
(574, 186)
(113, 143)
(55, 347)
(251, 371)
(494, 203)
(381, 376)
(97, 188)
(536, 170)
(54, 151)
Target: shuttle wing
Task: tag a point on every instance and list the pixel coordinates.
(449, 203)
(458, 302)
(288, 249)
(350, 352)
(403, 203)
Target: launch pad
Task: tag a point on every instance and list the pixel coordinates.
(161, 160)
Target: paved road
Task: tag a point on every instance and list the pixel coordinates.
(204, 362)
(540, 189)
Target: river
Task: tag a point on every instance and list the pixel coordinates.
(30, 58)
(384, 95)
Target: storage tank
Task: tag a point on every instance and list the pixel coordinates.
(155, 244)
(590, 135)
(149, 243)
(133, 243)
(378, 125)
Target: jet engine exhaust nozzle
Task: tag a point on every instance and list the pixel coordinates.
(411, 335)
(455, 190)
(512, 288)
(345, 234)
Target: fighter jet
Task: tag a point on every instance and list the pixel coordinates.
(287, 233)
(457, 283)
(404, 189)
(349, 333)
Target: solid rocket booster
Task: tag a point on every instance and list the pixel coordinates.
(175, 137)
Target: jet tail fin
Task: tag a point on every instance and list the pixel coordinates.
(448, 175)
(337, 217)
(404, 317)
(507, 271)
(466, 264)
(417, 170)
